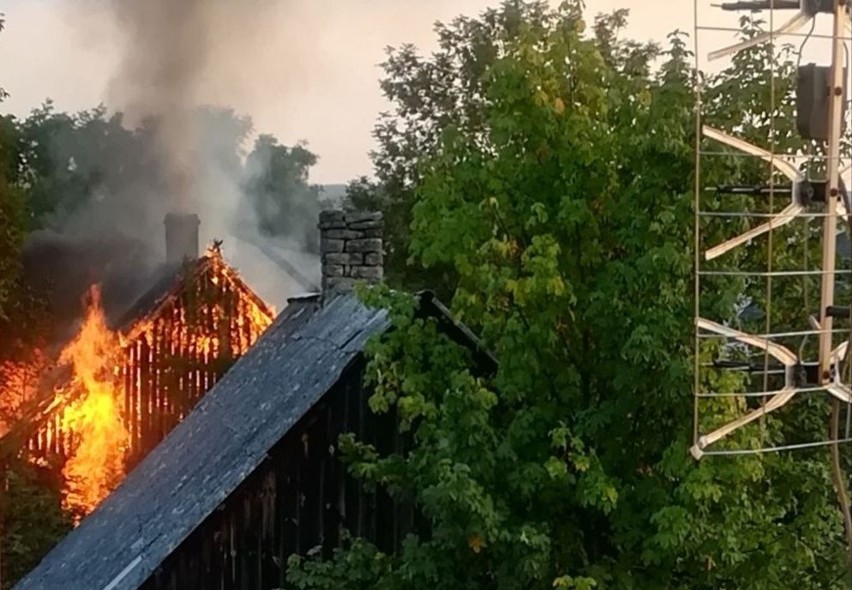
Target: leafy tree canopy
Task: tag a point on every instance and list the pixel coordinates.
(547, 169)
(11, 208)
(69, 161)
(285, 203)
(12, 217)
(33, 519)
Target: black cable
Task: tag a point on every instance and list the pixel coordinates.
(764, 5)
(804, 41)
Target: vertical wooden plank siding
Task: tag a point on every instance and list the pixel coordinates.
(165, 371)
(299, 499)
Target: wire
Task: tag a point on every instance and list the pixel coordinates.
(808, 35)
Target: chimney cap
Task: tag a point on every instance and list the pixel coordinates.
(181, 218)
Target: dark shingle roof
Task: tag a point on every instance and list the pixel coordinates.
(206, 457)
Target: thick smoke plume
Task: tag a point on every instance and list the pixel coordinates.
(175, 58)
(165, 60)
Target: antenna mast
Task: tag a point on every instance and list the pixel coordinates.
(829, 232)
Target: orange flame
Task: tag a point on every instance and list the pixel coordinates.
(95, 417)
(128, 389)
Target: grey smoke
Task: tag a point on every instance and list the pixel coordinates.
(174, 55)
(167, 45)
(67, 264)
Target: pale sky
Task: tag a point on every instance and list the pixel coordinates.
(318, 81)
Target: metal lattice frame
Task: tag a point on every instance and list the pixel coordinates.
(807, 11)
(777, 399)
(785, 166)
(829, 363)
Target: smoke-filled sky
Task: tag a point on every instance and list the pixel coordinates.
(302, 69)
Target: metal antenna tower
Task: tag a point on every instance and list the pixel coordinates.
(783, 375)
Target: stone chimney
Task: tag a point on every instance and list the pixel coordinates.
(351, 250)
(181, 237)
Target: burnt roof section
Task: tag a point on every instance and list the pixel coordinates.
(202, 461)
(169, 280)
(60, 269)
(162, 282)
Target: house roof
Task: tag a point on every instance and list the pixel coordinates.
(162, 281)
(170, 280)
(167, 283)
(224, 439)
(61, 268)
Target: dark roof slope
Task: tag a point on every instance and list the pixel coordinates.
(162, 281)
(212, 451)
(61, 268)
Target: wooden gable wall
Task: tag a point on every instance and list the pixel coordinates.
(171, 357)
(299, 499)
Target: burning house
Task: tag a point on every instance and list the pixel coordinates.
(123, 383)
(250, 477)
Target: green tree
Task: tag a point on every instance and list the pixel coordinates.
(33, 518)
(427, 94)
(364, 194)
(72, 160)
(11, 206)
(550, 171)
(12, 218)
(277, 186)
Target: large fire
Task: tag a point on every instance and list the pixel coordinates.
(94, 416)
(114, 395)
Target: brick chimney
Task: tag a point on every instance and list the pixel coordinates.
(351, 250)
(181, 237)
